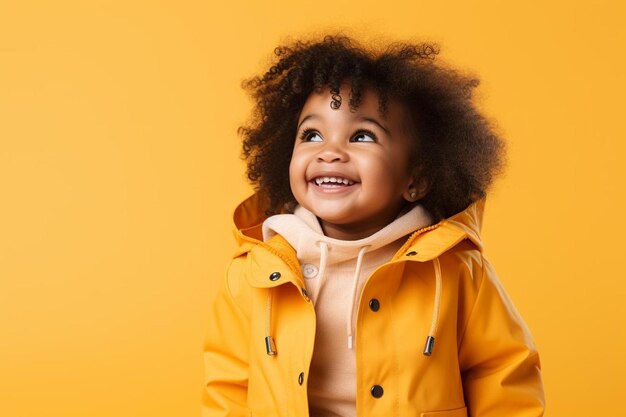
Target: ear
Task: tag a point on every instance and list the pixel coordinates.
(417, 188)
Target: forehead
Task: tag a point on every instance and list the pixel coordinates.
(319, 103)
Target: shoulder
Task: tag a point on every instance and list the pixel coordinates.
(460, 255)
(254, 267)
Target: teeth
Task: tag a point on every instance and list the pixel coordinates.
(333, 180)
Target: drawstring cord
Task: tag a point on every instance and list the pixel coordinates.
(323, 262)
(270, 346)
(430, 340)
(355, 281)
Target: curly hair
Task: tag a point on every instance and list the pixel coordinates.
(456, 147)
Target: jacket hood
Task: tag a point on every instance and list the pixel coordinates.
(249, 216)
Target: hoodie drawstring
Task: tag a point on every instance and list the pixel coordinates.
(430, 340)
(355, 281)
(323, 262)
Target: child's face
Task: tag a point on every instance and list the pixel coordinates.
(351, 168)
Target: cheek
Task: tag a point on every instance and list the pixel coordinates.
(382, 167)
(389, 174)
(296, 173)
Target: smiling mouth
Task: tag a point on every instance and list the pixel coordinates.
(332, 182)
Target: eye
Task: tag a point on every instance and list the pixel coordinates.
(310, 135)
(364, 136)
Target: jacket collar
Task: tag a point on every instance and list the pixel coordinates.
(431, 242)
(427, 243)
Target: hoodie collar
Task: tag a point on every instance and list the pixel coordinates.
(303, 231)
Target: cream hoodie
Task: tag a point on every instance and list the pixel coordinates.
(335, 272)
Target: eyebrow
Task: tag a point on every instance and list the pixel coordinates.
(376, 122)
(362, 118)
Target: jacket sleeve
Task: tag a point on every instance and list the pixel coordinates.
(499, 361)
(226, 351)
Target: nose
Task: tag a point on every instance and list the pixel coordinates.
(332, 152)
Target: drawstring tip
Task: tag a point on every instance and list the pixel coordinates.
(430, 344)
(350, 342)
(270, 346)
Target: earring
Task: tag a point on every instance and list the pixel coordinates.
(413, 194)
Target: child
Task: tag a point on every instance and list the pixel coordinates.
(360, 287)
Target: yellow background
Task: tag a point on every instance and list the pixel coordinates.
(119, 170)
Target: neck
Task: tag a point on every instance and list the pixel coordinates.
(363, 229)
(350, 231)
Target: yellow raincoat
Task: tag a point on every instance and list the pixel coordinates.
(436, 335)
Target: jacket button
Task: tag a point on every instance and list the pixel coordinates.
(274, 276)
(305, 294)
(374, 304)
(412, 253)
(377, 391)
(301, 378)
